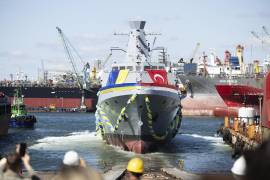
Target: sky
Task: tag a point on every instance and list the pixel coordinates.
(28, 34)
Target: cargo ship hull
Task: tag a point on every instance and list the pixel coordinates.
(147, 119)
(206, 100)
(240, 95)
(38, 98)
(5, 113)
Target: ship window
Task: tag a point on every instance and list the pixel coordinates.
(122, 67)
(160, 67)
(130, 68)
(138, 68)
(146, 67)
(154, 67)
(115, 68)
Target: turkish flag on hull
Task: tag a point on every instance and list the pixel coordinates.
(158, 76)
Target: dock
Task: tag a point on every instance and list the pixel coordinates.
(158, 174)
(241, 134)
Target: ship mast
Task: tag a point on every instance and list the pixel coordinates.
(138, 48)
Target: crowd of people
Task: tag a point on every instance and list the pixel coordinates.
(16, 166)
(252, 165)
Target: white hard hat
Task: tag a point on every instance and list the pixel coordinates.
(71, 158)
(239, 166)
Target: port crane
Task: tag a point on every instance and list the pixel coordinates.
(265, 39)
(266, 31)
(194, 52)
(68, 47)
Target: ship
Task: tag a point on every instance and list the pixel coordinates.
(19, 116)
(204, 99)
(238, 95)
(52, 97)
(139, 103)
(5, 113)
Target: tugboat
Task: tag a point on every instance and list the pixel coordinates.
(139, 103)
(5, 112)
(19, 116)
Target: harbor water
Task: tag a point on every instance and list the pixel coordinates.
(55, 133)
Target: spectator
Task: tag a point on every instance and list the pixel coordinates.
(75, 168)
(10, 167)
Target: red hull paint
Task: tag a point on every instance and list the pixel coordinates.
(239, 95)
(266, 103)
(204, 105)
(132, 144)
(159, 85)
(57, 102)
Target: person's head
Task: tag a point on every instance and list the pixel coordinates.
(71, 158)
(135, 168)
(75, 167)
(13, 162)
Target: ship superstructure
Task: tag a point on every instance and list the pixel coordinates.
(139, 101)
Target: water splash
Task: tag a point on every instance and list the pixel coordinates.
(214, 140)
(67, 142)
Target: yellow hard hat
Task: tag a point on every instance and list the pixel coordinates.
(135, 165)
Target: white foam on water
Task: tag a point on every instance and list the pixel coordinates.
(75, 139)
(120, 150)
(215, 140)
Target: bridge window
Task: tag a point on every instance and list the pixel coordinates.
(122, 67)
(115, 68)
(146, 67)
(160, 67)
(138, 68)
(153, 67)
(130, 68)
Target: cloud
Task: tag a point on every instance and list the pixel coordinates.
(263, 14)
(52, 46)
(171, 18)
(254, 15)
(86, 44)
(13, 54)
(174, 38)
(91, 38)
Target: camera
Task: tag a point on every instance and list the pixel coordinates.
(22, 149)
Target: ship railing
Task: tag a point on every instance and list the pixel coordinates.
(223, 75)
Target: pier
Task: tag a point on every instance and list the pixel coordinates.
(241, 133)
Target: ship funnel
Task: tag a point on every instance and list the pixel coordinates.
(137, 24)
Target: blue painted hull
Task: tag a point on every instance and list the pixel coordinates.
(27, 121)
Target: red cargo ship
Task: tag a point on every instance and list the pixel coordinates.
(239, 95)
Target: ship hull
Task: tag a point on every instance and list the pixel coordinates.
(24, 121)
(65, 99)
(5, 113)
(4, 120)
(149, 119)
(239, 95)
(206, 100)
